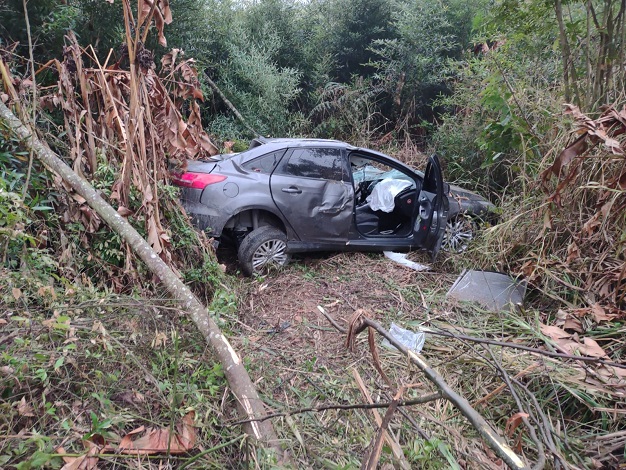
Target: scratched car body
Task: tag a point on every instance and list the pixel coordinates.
(285, 196)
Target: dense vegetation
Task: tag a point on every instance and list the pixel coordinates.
(482, 83)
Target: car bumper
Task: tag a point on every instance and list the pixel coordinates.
(205, 217)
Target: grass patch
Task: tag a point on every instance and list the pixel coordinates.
(78, 363)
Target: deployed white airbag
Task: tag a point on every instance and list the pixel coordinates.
(383, 194)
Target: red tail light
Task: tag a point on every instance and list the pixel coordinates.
(196, 180)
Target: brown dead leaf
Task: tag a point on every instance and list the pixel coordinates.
(573, 253)
(83, 462)
(591, 348)
(615, 374)
(16, 293)
(131, 397)
(24, 409)
(588, 347)
(554, 332)
(124, 211)
(47, 291)
(159, 440)
(598, 313)
(575, 149)
(573, 324)
(513, 423)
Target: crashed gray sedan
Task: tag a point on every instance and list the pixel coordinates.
(285, 196)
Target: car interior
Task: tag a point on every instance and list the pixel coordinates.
(385, 198)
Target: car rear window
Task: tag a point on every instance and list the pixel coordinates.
(264, 163)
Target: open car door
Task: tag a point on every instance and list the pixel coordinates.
(432, 215)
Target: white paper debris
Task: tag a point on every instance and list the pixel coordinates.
(400, 258)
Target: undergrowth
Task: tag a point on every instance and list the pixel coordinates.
(79, 363)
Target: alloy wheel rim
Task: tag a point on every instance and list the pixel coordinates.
(271, 252)
(459, 232)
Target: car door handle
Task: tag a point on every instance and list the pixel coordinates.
(292, 190)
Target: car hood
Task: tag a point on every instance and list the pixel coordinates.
(465, 194)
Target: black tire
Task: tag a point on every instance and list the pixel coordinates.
(460, 231)
(263, 249)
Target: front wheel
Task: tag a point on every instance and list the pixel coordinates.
(263, 248)
(460, 231)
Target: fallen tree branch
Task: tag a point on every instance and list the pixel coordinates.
(504, 344)
(360, 406)
(495, 442)
(230, 105)
(248, 402)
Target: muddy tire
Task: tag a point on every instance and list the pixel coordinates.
(263, 249)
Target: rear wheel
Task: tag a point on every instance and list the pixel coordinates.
(460, 231)
(262, 249)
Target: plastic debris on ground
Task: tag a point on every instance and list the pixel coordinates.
(413, 341)
(401, 258)
(495, 292)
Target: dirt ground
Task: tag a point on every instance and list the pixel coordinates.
(301, 360)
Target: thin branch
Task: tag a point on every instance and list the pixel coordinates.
(517, 103)
(360, 406)
(541, 460)
(543, 425)
(34, 85)
(230, 105)
(485, 430)
(493, 342)
(337, 326)
(371, 460)
(540, 352)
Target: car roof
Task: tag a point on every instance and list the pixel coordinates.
(298, 142)
(262, 145)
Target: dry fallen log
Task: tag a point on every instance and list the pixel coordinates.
(248, 402)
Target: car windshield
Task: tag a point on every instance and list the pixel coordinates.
(371, 173)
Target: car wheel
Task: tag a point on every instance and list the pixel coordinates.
(263, 248)
(460, 231)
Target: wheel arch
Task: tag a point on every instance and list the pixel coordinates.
(250, 218)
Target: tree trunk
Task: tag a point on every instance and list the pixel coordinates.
(248, 402)
(569, 69)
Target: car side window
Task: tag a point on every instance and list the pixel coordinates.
(319, 163)
(264, 163)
